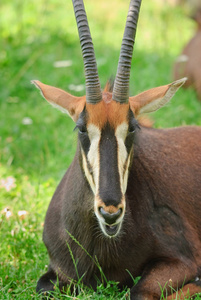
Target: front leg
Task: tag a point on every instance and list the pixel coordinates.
(48, 281)
(162, 277)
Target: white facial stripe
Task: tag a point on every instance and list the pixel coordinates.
(125, 177)
(120, 134)
(87, 173)
(93, 156)
(94, 134)
(93, 159)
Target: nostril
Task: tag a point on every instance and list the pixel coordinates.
(110, 218)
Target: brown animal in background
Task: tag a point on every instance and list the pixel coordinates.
(132, 195)
(189, 3)
(189, 63)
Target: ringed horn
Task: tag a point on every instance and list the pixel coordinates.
(93, 88)
(121, 84)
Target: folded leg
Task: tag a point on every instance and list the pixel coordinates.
(162, 277)
(47, 282)
(189, 290)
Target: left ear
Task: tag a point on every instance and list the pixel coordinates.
(155, 98)
(62, 100)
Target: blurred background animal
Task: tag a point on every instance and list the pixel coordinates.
(188, 64)
(189, 3)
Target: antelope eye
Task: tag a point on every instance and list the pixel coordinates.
(133, 126)
(82, 129)
(131, 129)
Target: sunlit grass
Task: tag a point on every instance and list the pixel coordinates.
(37, 143)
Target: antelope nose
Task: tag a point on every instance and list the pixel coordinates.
(110, 218)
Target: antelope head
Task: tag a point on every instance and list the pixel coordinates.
(107, 121)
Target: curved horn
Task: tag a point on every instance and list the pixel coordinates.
(121, 84)
(93, 88)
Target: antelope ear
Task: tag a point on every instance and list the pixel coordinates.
(155, 98)
(62, 100)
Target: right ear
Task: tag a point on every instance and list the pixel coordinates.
(62, 100)
(155, 98)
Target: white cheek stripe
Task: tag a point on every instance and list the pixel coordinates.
(120, 134)
(93, 157)
(87, 173)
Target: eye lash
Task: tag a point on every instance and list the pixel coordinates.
(81, 124)
(81, 127)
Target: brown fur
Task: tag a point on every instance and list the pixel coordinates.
(145, 121)
(187, 291)
(160, 235)
(160, 238)
(107, 111)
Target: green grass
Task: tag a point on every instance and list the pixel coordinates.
(33, 35)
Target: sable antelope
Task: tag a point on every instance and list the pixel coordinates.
(189, 62)
(132, 195)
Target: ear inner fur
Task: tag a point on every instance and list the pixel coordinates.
(59, 98)
(155, 98)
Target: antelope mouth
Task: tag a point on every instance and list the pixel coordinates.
(111, 230)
